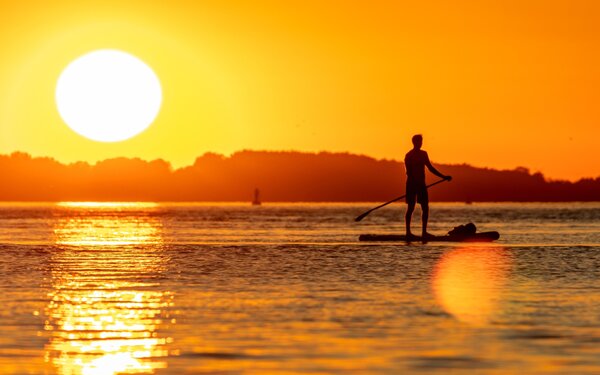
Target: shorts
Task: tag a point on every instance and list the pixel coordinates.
(416, 194)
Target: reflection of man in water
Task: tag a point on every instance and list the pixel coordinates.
(416, 190)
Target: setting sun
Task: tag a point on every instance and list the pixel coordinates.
(108, 95)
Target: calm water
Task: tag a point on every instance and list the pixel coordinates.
(235, 289)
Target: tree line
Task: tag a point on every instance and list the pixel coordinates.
(281, 177)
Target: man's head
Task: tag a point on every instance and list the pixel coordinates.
(417, 141)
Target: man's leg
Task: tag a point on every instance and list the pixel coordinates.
(423, 199)
(409, 211)
(425, 217)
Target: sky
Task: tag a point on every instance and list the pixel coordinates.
(492, 84)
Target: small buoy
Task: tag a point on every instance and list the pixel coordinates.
(256, 200)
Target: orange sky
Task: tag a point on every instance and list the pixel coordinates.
(497, 84)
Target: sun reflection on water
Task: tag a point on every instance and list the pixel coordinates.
(108, 205)
(108, 312)
(468, 282)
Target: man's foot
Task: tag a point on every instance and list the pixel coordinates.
(410, 237)
(427, 235)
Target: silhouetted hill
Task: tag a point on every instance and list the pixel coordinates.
(281, 176)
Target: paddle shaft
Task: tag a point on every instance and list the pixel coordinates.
(364, 214)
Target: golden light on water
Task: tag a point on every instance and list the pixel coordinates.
(89, 227)
(108, 312)
(108, 205)
(85, 232)
(467, 282)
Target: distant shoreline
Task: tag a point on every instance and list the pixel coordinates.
(280, 176)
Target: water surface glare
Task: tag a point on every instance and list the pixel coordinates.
(123, 288)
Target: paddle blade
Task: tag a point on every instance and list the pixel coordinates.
(362, 216)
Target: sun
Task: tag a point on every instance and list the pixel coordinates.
(108, 95)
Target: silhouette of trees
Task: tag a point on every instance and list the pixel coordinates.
(280, 176)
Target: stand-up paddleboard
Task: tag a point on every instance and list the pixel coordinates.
(476, 237)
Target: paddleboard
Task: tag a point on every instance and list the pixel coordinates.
(477, 237)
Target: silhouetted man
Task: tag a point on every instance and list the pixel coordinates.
(416, 190)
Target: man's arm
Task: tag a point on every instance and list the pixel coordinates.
(435, 171)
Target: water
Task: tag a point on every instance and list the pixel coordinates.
(233, 289)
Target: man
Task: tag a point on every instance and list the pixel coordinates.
(416, 190)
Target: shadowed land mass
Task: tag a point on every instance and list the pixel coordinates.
(281, 176)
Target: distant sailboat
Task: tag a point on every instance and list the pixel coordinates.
(256, 201)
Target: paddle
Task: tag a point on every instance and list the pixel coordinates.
(364, 214)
